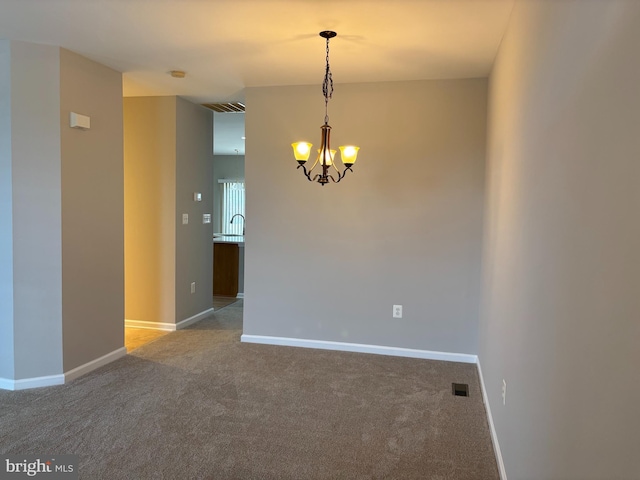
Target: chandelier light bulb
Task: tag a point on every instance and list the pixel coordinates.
(303, 148)
(329, 155)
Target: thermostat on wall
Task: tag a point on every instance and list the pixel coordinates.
(79, 121)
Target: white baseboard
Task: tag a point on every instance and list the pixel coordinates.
(240, 295)
(35, 382)
(61, 379)
(168, 327)
(360, 348)
(494, 435)
(165, 327)
(93, 364)
(196, 318)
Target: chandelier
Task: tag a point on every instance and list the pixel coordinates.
(326, 156)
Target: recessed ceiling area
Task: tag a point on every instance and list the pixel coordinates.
(225, 46)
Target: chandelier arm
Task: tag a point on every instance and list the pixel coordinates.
(325, 179)
(315, 163)
(341, 176)
(307, 174)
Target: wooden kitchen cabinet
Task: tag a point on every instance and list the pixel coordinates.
(225, 269)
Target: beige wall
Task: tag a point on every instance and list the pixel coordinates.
(561, 311)
(150, 208)
(36, 209)
(7, 369)
(194, 242)
(92, 211)
(328, 263)
(66, 284)
(62, 217)
(168, 157)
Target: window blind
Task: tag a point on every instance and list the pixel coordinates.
(232, 203)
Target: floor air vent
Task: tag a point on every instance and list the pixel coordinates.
(460, 389)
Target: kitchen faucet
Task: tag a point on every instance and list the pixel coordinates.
(243, 220)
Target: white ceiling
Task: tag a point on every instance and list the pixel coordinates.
(227, 45)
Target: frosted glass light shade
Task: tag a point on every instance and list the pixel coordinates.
(349, 154)
(301, 151)
(329, 156)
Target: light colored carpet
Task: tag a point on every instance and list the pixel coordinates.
(137, 337)
(197, 403)
(221, 302)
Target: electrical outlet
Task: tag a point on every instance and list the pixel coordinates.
(206, 218)
(193, 287)
(504, 392)
(185, 218)
(397, 311)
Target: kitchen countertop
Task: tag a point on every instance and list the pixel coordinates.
(219, 238)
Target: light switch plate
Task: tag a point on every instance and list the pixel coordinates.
(206, 218)
(185, 218)
(197, 197)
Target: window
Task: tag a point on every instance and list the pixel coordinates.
(232, 204)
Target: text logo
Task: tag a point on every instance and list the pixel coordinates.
(50, 467)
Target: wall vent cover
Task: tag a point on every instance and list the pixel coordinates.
(225, 107)
(460, 389)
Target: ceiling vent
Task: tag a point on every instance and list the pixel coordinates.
(225, 107)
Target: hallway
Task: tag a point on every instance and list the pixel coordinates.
(137, 337)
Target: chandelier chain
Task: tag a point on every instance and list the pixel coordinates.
(327, 87)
